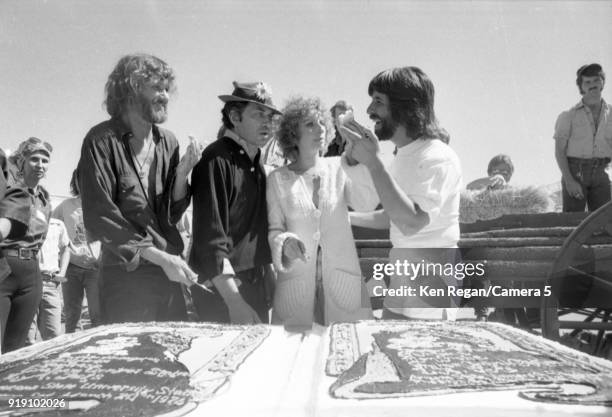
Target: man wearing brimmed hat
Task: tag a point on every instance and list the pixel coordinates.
(230, 249)
(583, 144)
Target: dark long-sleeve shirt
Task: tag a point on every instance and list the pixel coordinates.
(39, 205)
(230, 221)
(14, 202)
(116, 209)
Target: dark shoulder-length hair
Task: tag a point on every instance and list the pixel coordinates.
(128, 77)
(411, 98)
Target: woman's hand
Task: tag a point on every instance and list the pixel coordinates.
(293, 248)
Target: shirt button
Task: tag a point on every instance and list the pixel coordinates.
(252, 169)
(316, 236)
(317, 213)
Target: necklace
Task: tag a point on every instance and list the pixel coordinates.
(141, 167)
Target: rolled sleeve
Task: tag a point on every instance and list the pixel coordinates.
(177, 208)
(15, 206)
(212, 243)
(102, 217)
(563, 127)
(64, 240)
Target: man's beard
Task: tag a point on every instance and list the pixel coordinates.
(386, 129)
(150, 114)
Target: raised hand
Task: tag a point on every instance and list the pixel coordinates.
(497, 182)
(191, 157)
(364, 146)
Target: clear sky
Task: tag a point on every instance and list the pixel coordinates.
(503, 70)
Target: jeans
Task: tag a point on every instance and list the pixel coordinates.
(47, 322)
(145, 294)
(591, 174)
(20, 295)
(79, 281)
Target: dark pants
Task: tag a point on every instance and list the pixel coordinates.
(78, 281)
(145, 294)
(479, 304)
(211, 307)
(20, 295)
(591, 175)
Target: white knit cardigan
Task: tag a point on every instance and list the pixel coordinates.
(291, 212)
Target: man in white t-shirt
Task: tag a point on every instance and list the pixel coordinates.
(419, 190)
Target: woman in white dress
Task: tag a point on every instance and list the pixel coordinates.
(319, 278)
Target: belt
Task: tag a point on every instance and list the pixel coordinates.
(56, 279)
(21, 253)
(589, 161)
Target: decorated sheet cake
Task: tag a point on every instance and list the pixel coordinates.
(411, 358)
(147, 369)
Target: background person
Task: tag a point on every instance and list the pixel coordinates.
(53, 260)
(21, 290)
(84, 269)
(319, 277)
(499, 172)
(583, 144)
(14, 218)
(337, 145)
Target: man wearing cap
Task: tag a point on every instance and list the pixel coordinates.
(134, 190)
(583, 144)
(230, 249)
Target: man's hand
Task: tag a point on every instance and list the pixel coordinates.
(240, 311)
(293, 249)
(574, 189)
(191, 157)
(362, 143)
(175, 268)
(496, 182)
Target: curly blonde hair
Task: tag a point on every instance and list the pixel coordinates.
(128, 77)
(295, 111)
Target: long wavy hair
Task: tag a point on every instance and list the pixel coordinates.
(130, 73)
(295, 111)
(411, 96)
